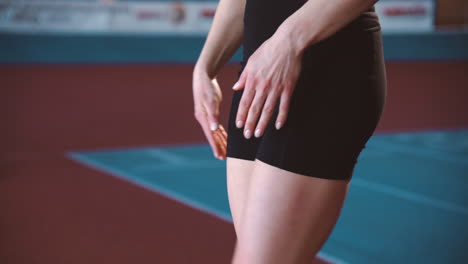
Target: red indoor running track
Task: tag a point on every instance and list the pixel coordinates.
(57, 211)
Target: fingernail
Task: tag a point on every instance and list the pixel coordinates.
(214, 126)
(278, 125)
(239, 123)
(248, 133)
(257, 132)
(235, 85)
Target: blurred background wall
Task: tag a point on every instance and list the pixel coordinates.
(104, 75)
(452, 13)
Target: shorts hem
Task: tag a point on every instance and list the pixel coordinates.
(320, 171)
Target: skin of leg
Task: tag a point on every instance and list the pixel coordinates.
(287, 217)
(239, 173)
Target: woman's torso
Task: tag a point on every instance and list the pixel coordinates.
(263, 17)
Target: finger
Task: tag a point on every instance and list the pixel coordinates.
(283, 108)
(202, 119)
(223, 150)
(244, 104)
(214, 143)
(267, 112)
(212, 111)
(223, 131)
(221, 144)
(254, 112)
(224, 136)
(241, 81)
(221, 135)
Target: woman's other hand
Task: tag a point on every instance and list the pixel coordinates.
(207, 97)
(271, 72)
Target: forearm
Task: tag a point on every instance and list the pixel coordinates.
(319, 19)
(224, 38)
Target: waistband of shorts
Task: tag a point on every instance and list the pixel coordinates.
(366, 21)
(371, 9)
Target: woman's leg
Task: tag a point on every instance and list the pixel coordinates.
(239, 173)
(287, 217)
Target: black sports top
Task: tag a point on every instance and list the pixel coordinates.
(263, 17)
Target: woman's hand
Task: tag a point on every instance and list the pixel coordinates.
(271, 72)
(207, 97)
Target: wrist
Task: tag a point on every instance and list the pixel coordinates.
(203, 69)
(295, 35)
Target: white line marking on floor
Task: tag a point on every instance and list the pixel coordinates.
(404, 194)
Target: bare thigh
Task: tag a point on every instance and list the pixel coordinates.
(239, 173)
(287, 216)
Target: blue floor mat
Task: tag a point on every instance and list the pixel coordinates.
(407, 202)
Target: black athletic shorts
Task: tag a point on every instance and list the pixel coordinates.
(337, 102)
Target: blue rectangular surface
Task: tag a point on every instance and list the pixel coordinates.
(407, 202)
